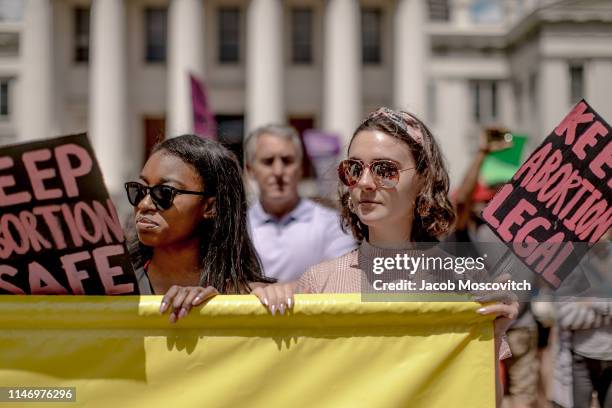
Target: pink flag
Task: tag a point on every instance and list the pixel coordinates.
(204, 124)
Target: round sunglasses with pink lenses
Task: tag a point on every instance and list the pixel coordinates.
(385, 173)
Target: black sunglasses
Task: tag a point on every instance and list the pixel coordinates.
(161, 195)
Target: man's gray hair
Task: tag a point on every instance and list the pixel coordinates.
(286, 132)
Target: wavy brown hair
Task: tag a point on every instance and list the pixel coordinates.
(433, 211)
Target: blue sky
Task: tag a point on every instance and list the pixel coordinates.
(487, 11)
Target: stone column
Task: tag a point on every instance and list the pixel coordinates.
(36, 95)
(411, 51)
(342, 94)
(598, 86)
(185, 56)
(460, 13)
(107, 92)
(553, 95)
(264, 64)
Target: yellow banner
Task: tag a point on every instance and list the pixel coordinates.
(332, 351)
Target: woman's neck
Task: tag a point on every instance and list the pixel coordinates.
(175, 265)
(394, 235)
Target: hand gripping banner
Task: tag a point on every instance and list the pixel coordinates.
(331, 351)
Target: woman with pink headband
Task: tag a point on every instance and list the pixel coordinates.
(394, 193)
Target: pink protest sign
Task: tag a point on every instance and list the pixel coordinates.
(59, 231)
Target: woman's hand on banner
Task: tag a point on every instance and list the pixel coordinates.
(502, 304)
(277, 297)
(505, 315)
(180, 300)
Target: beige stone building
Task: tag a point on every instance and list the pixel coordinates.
(119, 68)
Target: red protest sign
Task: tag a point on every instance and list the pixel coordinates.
(557, 204)
(59, 231)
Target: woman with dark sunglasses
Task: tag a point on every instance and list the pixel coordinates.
(190, 220)
(394, 192)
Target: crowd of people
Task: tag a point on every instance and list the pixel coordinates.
(195, 237)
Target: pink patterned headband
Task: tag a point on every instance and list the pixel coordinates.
(401, 119)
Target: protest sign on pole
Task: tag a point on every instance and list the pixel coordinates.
(59, 231)
(557, 205)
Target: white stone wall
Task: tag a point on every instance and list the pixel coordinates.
(543, 53)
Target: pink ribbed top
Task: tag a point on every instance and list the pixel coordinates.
(352, 273)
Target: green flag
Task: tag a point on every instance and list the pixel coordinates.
(500, 166)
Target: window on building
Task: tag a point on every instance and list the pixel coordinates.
(520, 7)
(484, 101)
(533, 89)
(576, 72)
(432, 102)
(9, 44)
(11, 10)
(439, 10)
(154, 133)
(301, 35)
(229, 35)
(371, 35)
(156, 23)
(81, 34)
(517, 88)
(230, 130)
(4, 98)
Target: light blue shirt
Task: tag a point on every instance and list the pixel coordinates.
(308, 235)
